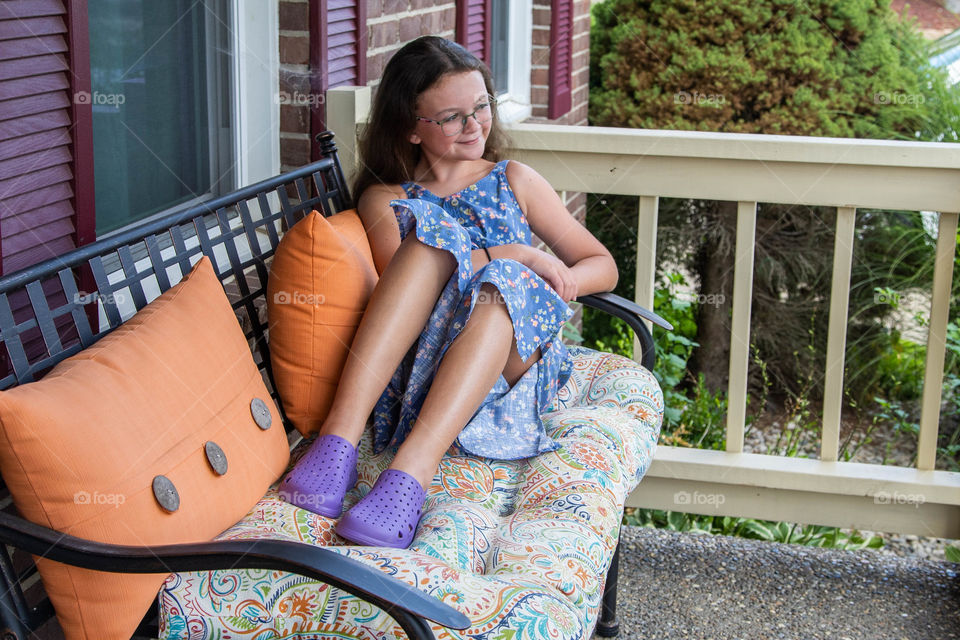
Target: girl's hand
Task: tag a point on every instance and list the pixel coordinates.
(552, 269)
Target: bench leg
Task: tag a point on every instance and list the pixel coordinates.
(608, 627)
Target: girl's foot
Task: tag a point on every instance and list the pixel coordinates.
(388, 515)
(319, 480)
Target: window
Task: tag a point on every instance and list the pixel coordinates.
(511, 41)
(162, 97)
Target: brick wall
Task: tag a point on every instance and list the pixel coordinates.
(540, 62)
(392, 23)
(294, 83)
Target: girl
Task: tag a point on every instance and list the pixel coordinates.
(459, 342)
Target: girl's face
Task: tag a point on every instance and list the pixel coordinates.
(453, 96)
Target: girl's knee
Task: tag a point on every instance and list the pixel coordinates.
(489, 306)
(413, 244)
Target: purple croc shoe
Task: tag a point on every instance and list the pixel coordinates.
(319, 480)
(388, 515)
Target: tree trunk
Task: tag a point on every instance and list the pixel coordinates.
(715, 266)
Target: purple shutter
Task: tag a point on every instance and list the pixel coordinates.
(338, 54)
(473, 27)
(46, 166)
(561, 58)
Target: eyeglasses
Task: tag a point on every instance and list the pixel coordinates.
(452, 125)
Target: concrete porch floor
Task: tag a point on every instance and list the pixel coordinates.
(678, 585)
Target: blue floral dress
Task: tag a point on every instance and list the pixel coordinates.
(507, 424)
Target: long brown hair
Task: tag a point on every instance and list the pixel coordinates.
(386, 154)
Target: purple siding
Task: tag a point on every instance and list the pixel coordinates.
(338, 54)
(37, 214)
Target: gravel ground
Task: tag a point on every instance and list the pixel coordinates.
(677, 585)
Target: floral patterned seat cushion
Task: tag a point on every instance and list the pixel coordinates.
(521, 547)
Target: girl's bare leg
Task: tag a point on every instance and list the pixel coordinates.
(395, 316)
(469, 369)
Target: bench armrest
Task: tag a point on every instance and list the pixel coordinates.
(633, 314)
(408, 606)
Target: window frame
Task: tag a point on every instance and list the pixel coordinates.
(513, 101)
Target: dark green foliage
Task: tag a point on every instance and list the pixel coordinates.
(837, 68)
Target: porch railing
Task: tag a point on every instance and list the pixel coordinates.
(844, 173)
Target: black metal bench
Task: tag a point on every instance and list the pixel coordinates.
(52, 310)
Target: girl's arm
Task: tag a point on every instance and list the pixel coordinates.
(582, 264)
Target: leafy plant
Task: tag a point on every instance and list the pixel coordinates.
(952, 553)
(766, 530)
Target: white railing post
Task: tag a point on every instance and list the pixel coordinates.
(740, 330)
(936, 341)
(646, 274)
(837, 333)
(347, 107)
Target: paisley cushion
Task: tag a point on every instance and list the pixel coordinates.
(521, 547)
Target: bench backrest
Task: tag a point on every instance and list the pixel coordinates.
(54, 309)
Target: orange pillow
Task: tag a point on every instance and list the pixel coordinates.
(80, 449)
(320, 280)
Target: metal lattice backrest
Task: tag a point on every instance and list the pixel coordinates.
(52, 310)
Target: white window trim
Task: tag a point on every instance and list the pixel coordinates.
(513, 104)
(257, 72)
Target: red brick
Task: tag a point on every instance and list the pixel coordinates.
(294, 81)
(541, 37)
(395, 6)
(295, 152)
(294, 16)
(409, 28)
(581, 26)
(384, 34)
(431, 23)
(448, 18)
(541, 16)
(294, 50)
(374, 8)
(540, 56)
(581, 76)
(539, 77)
(294, 119)
(375, 66)
(581, 114)
(538, 95)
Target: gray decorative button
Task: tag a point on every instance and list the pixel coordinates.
(261, 413)
(216, 457)
(166, 494)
